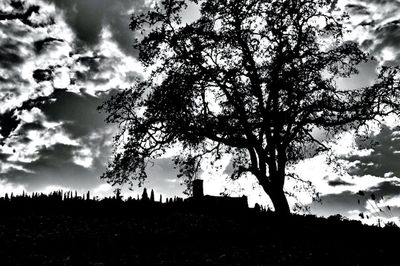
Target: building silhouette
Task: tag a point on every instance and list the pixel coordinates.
(214, 203)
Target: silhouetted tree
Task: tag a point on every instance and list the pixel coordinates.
(152, 195)
(250, 78)
(117, 193)
(145, 197)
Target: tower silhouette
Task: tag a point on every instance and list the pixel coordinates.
(198, 188)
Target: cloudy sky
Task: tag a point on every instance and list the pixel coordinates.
(59, 59)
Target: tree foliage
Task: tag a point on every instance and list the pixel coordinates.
(252, 78)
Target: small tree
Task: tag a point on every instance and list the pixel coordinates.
(145, 197)
(252, 78)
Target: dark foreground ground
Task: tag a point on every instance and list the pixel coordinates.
(164, 235)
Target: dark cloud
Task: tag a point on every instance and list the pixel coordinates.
(4, 156)
(12, 81)
(55, 166)
(17, 5)
(17, 48)
(10, 53)
(9, 120)
(348, 201)
(88, 18)
(36, 102)
(338, 182)
(355, 9)
(93, 62)
(83, 76)
(8, 123)
(99, 70)
(382, 26)
(31, 126)
(42, 75)
(93, 65)
(77, 111)
(23, 13)
(388, 35)
(384, 158)
(14, 29)
(367, 43)
(20, 14)
(42, 44)
(382, 2)
(386, 189)
(367, 23)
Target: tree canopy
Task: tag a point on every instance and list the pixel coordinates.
(252, 78)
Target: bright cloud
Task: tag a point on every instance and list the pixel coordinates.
(9, 188)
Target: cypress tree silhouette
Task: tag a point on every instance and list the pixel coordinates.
(145, 197)
(152, 195)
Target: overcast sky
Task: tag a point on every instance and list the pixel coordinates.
(59, 59)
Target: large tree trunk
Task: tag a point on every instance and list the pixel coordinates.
(275, 192)
(279, 201)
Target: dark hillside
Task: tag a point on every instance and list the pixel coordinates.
(115, 232)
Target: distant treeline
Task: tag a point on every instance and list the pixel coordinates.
(73, 202)
(61, 195)
(69, 201)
